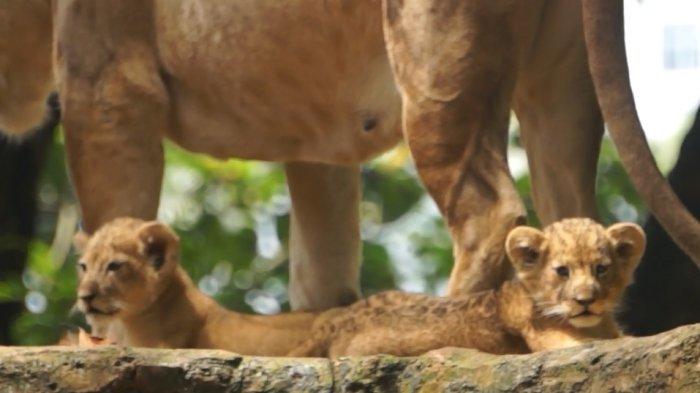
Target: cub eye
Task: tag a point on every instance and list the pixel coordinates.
(369, 124)
(562, 271)
(82, 266)
(113, 266)
(600, 270)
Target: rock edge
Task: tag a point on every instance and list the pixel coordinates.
(666, 362)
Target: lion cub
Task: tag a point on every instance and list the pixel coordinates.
(134, 292)
(569, 278)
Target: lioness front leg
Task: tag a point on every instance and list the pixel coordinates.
(560, 122)
(454, 62)
(114, 108)
(325, 235)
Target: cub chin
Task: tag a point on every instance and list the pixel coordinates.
(569, 278)
(134, 292)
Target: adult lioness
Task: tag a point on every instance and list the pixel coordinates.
(569, 279)
(309, 83)
(134, 292)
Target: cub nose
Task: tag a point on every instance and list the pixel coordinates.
(585, 301)
(87, 297)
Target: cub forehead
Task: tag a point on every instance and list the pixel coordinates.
(105, 246)
(118, 234)
(577, 240)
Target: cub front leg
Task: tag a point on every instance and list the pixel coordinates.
(115, 108)
(454, 63)
(553, 338)
(325, 235)
(545, 336)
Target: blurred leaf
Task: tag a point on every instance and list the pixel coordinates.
(215, 206)
(377, 273)
(11, 289)
(394, 190)
(40, 259)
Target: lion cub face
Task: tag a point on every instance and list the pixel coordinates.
(125, 267)
(576, 269)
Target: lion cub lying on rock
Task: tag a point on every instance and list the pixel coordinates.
(134, 292)
(569, 278)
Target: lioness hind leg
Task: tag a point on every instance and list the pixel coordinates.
(454, 62)
(325, 235)
(561, 124)
(114, 109)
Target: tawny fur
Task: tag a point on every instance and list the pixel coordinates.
(143, 304)
(26, 77)
(332, 83)
(134, 292)
(536, 311)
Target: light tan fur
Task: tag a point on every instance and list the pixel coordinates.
(26, 78)
(541, 309)
(81, 338)
(330, 83)
(134, 292)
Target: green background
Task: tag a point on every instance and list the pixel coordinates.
(233, 220)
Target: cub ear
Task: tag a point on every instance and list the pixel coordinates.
(628, 242)
(525, 247)
(80, 241)
(158, 243)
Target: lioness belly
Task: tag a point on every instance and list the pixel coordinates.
(278, 80)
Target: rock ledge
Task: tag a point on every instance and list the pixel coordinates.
(667, 362)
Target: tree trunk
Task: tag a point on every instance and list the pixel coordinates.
(667, 362)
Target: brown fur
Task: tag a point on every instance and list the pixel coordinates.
(316, 81)
(537, 311)
(25, 63)
(135, 293)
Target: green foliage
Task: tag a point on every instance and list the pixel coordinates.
(233, 219)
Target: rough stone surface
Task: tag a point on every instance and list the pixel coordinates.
(667, 362)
